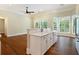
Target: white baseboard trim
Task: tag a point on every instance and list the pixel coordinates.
(16, 34)
(66, 34)
(27, 51)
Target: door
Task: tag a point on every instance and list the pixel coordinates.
(76, 23)
(77, 26)
(2, 28)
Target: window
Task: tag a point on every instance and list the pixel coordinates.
(64, 24)
(73, 23)
(77, 26)
(41, 24)
(61, 24)
(55, 23)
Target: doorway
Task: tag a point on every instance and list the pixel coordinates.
(2, 26)
(2, 30)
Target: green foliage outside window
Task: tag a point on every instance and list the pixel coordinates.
(61, 24)
(36, 25)
(41, 24)
(64, 26)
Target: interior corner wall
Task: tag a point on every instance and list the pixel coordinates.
(77, 9)
(17, 24)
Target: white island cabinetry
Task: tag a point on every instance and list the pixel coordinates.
(40, 42)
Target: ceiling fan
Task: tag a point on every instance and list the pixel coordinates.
(28, 12)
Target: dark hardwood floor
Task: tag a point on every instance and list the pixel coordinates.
(64, 46)
(17, 46)
(13, 45)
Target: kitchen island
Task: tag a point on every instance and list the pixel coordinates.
(40, 42)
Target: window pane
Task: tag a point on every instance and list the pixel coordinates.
(64, 25)
(41, 24)
(61, 26)
(55, 23)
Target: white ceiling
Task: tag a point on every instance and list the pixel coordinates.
(32, 7)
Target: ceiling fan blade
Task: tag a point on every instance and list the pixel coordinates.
(28, 11)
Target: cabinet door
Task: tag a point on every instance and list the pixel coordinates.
(48, 41)
(52, 39)
(35, 45)
(43, 45)
(77, 45)
(55, 37)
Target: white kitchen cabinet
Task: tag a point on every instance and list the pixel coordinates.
(43, 45)
(77, 45)
(40, 42)
(48, 41)
(55, 37)
(35, 45)
(52, 38)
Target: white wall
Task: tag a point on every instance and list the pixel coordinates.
(16, 23)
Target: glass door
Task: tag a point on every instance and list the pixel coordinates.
(64, 24)
(61, 24)
(77, 25)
